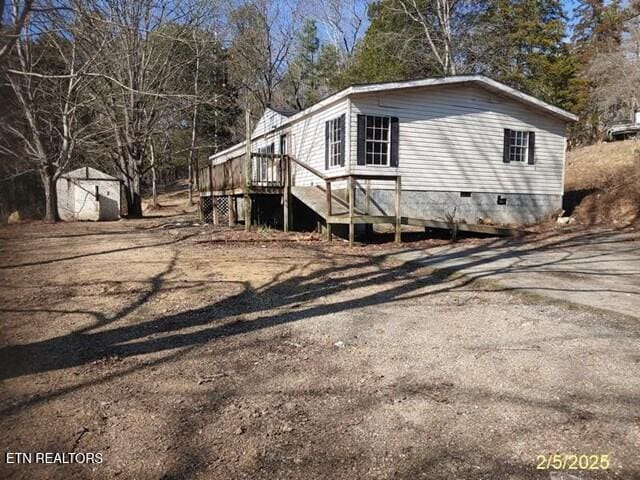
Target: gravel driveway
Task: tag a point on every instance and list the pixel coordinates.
(599, 269)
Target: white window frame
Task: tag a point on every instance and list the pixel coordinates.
(519, 146)
(335, 142)
(370, 125)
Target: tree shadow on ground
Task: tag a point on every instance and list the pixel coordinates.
(289, 298)
(283, 300)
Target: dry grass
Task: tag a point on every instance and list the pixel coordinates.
(603, 183)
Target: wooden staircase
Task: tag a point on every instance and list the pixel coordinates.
(316, 199)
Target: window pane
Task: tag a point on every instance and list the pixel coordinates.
(376, 140)
(518, 145)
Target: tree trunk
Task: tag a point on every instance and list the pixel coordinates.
(154, 175)
(194, 121)
(135, 206)
(190, 182)
(51, 198)
(132, 189)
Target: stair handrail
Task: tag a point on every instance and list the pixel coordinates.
(316, 172)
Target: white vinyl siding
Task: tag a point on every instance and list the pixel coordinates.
(452, 139)
(307, 144)
(270, 119)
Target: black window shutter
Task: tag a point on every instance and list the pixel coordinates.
(505, 151)
(342, 142)
(361, 139)
(395, 141)
(532, 148)
(326, 144)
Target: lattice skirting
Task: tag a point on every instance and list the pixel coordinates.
(222, 204)
(207, 206)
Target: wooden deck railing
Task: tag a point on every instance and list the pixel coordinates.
(351, 178)
(271, 171)
(266, 172)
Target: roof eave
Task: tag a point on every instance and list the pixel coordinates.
(478, 79)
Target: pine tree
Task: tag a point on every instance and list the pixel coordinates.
(388, 50)
(302, 87)
(523, 42)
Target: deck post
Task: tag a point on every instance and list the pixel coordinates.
(286, 167)
(398, 235)
(231, 210)
(367, 204)
(328, 192)
(214, 203)
(247, 170)
(367, 196)
(351, 205)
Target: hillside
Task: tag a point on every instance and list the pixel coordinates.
(602, 183)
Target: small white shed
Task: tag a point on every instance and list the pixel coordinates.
(88, 194)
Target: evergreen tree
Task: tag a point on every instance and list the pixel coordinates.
(329, 67)
(387, 52)
(302, 85)
(523, 42)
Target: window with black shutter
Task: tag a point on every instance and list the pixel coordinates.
(519, 146)
(334, 142)
(378, 140)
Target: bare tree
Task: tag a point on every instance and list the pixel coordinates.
(50, 93)
(198, 45)
(345, 22)
(263, 33)
(137, 80)
(435, 20)
(10, 33)
(615, 76)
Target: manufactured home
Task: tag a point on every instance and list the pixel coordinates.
(465, 151)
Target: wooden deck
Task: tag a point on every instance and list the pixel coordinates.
(266, 176)
(259, 173)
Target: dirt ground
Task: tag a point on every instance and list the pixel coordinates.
(602, 183)
(181, 351)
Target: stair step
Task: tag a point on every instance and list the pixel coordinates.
(316, 199)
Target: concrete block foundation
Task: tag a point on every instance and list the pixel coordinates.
(469, 207)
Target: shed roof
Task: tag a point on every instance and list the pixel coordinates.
(88, 173)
